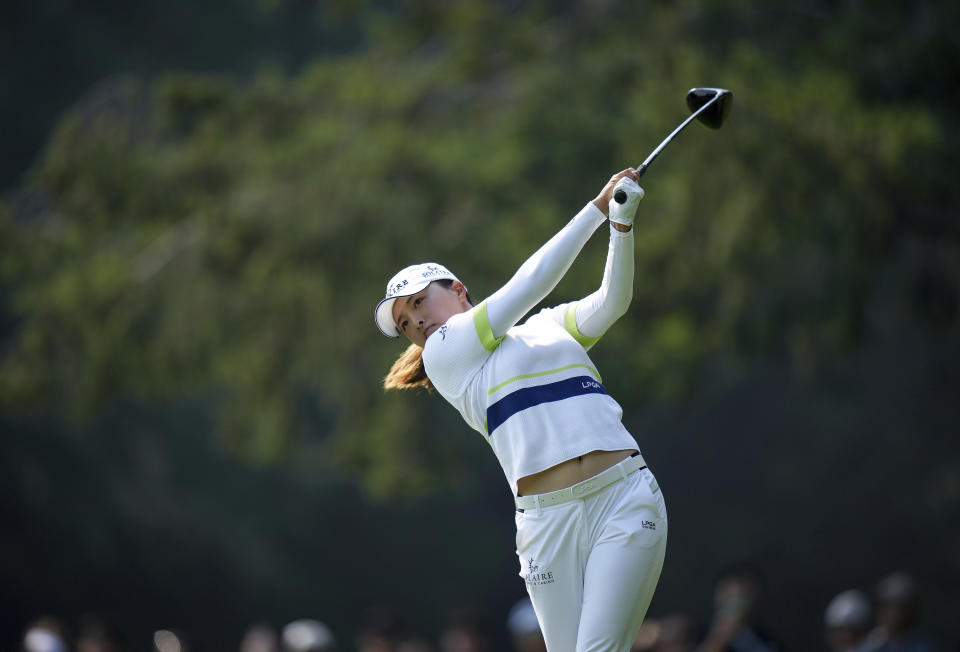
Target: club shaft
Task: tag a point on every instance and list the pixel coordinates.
(620, 196)
(666, 141)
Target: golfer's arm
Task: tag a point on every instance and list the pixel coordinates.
(597, 312)
(541, 272)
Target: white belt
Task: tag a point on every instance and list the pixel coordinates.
(585, 488)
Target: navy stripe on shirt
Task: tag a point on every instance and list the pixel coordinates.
(528, 397)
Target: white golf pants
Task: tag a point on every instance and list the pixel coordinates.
(591, 564)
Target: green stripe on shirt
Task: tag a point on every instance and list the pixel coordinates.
(570, 323)
(546, 373)
(481, 321)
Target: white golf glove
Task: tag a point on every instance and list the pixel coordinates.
(625, 212)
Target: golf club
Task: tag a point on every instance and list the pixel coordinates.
(709, 105)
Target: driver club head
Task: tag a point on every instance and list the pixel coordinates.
(714, 115)
(719, 100)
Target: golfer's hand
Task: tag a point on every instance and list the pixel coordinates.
(630, 193)
(623, 218)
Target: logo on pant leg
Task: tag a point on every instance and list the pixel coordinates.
(649, 525)
(537, 576)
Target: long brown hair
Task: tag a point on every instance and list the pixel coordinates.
(407, 371)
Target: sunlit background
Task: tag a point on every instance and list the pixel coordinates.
(202, 202)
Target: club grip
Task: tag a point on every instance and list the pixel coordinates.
(620, 196)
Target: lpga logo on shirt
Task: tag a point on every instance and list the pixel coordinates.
(537, 576)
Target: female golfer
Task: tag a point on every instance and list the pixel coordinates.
(591, 521)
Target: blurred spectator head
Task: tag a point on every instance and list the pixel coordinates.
(672, 633)
(96, 633)
(260, 638)
(466, 631)
(898, 603)
(307, 635)
(647, 636)
(524, 628)
(736, 593)
(168, 640)
(382, 630)
(676, 634)
(46, 634)
(847, 620)
(414, 645)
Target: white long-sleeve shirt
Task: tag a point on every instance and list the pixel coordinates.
(531, 389)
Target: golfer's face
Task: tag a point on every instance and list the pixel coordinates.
(420, 315)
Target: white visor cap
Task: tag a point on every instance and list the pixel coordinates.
(406, 282)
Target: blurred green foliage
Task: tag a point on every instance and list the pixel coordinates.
(201, 236)
(190, 376)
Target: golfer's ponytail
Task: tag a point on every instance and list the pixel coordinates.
(408, 372)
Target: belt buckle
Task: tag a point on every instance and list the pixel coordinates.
(582, 489)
